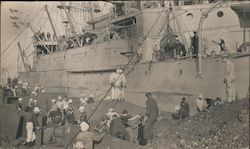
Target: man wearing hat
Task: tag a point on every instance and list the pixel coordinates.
(31, 125)
(201, 103)
(152, 112)
(83, 114)
(229, 80)
(118, 82)
(195, 45)
(30, 106)
(19, 104)
(86, 137)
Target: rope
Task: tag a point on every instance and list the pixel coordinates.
(124, 68)
(20, 33)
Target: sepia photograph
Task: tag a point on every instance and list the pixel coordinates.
(135, 74)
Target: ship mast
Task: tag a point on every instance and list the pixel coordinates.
(51, 23)
(21, 53)
(71, 25)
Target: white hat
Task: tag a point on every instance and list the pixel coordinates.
(91, 96)
(84, 126)
(30, 100)
(70, 101)
(53, 100)
(37, 109)
(35, 101)
(20, 99)
(200, 96)
(79, 145)
(81, 108)
(34, 93)
(177, 108)
(111, 110)
(120, 70)
(43, 91)
(59, 97)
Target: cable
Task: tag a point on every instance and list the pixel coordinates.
(20, 33)
(116, 80)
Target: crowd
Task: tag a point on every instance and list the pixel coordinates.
(137, 129)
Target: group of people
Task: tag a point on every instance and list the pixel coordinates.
(137, 129)
(43, 36)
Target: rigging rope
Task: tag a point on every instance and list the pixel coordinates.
(131, 58)
(125, 67)
(20, 33)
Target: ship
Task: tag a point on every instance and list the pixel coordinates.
(81, 62)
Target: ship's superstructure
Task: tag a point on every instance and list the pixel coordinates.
(82, 62)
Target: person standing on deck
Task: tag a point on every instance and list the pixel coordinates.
(113, 79)
(122, 82)
(152, 112)
(229, 80)
(195, 45)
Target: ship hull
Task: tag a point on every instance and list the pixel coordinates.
(167, 80)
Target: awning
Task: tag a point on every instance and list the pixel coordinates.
(243, 12)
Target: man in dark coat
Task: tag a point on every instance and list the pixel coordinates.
(152, 112)
(117, 130)
(195, 45)
(184, 110)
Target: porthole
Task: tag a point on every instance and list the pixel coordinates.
(190, 16)
(220, 13)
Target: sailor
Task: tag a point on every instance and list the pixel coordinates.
(59, 102)
(83, 100)
(140, 51)
(156, 52)
(19, 104)
(113, 82)
(118, 83)
(182, 111)
(125, 118)
(152, 112)
(56, 116)
(109, 116)
(122, 81)
(222, 44)
(35, 103)
(116, 128)
(107, 33)
(69, 114)
(201, 103)
(91, 98)
(33, 94)
(229, 80)
(86, 137)
(48, 36)
(195, 45)
(64, 102)
(30, 106)
(60, 105)
(53, 108)
(31, 125)
(83, 115)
